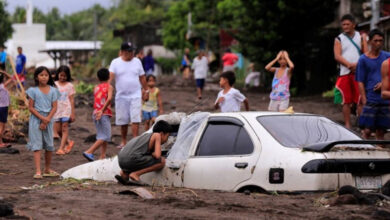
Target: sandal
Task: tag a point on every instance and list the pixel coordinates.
(88, 156)
(52, 173)
(60, 152)
(5, 145)
(120, 146)
(69, 147)
(37, 176)
(121, 180)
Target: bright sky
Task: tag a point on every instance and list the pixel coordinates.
(65, 6)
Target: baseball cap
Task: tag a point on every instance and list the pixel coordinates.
(128, 46)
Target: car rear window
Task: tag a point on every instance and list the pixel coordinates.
(297, 131)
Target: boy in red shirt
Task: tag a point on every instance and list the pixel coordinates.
(101, 115)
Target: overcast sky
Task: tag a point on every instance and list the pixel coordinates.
(65, 6)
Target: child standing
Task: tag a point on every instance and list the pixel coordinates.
(101, 115)
(229, 99)
(65, 113)
(280, 95)
(150, 109)
(200, 65)
(142, 154)
(4, 103)
(42, 103)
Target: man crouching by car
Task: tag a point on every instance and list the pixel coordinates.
(143, 154)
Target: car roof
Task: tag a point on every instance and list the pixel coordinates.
(257, 113)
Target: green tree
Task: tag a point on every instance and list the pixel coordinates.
(205, 20)
(262, 28)
(5, 24)
(19, 16)
(265, 27)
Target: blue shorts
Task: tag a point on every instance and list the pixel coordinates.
(62, 120)
(199, 83)
(149, 115)
(103, 128)
(375, 116)
(3, 114)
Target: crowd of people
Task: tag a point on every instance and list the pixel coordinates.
(363, 84)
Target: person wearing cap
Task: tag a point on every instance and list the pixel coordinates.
(130, 86)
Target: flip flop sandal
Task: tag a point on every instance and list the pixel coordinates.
(120, 146)
(60, 152)
(69, 147)
(51, 174)
(135, 182)
(5, 145)
(121, 180)
(89, 157)
(37, 176)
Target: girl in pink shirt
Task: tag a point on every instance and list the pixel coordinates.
(65, 113)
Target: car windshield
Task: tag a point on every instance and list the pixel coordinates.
(297, 131)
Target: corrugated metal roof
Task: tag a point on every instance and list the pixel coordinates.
(72, 45)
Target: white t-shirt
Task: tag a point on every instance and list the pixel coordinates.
(200, 67)
(127, 73)
(349, 51)
(232, 102)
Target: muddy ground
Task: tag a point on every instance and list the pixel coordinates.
(52, 198)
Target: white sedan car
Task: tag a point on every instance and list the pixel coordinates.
(263, 151)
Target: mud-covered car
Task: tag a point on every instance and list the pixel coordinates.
(265, 151)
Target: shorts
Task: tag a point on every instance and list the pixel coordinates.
(199, 83)
(278, 105)
(149, 115)
(137, 162)
(228, 68)
(3, 114)
(62, 120)
(349, 89)
(103, 128)
(375, 116)
(21, 76)
(127, 111)
(2, 66)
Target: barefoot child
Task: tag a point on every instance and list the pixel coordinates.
(142, 154)
(280, 95)
(229, 99)
(101, 115)
(42, 103)
(65, 109)
(4, 103)
(153, 106)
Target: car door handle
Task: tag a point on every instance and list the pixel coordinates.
(241, 165)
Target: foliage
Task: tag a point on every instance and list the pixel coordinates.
(5, 24)
(205, 21)
(328, 94)
(168, 64)
(84, 88)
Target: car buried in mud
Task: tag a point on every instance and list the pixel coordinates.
(263, 151)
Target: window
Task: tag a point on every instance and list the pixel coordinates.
(224, 139)
(297, 131)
